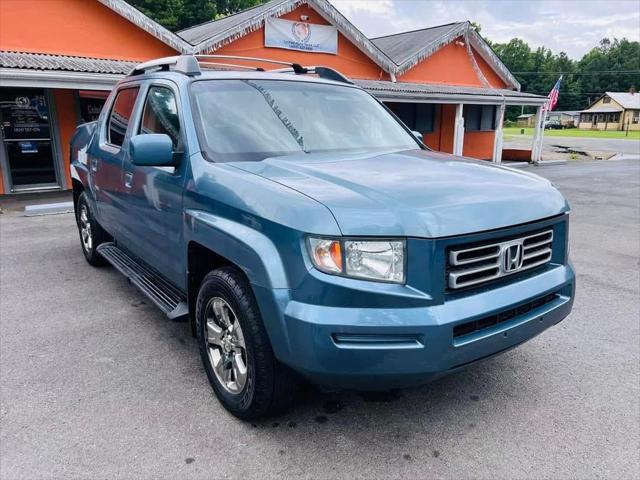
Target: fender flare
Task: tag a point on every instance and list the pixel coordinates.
(256, 255)
(250, 250)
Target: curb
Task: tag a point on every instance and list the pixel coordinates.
(48, 209)
(544, 163)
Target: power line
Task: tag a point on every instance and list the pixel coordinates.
(594, 72)
(568, 93)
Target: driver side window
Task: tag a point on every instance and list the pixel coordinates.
(121, 114)
(160, 115)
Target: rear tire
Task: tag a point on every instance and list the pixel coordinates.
(239, 361)
(91, 233)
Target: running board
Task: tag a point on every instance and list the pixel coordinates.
(164, 295)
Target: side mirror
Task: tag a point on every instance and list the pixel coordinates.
(151, 150)
(418, 135)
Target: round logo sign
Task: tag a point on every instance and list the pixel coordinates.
(301, 31)
(22, 102)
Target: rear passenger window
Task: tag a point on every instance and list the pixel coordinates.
(121, 114)
(160, 114)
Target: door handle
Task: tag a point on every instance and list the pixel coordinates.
(94, 164)
(128, 179)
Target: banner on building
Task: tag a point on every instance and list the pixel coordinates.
(302, 36)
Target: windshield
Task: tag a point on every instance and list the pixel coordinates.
(241, 120)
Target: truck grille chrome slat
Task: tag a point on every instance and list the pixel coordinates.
(483, 263)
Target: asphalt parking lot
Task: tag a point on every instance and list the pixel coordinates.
(554, 145)
(96, 383)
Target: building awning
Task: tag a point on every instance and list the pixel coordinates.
(603, 110)
(21, 69)
(439, 93)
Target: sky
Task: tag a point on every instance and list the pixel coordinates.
(572, 26)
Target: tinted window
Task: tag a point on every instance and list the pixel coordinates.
(242, 120)
(479, 117)
(416, 116)
(121, 115)
(160, 114)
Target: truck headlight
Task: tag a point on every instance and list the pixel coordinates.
(378, 260)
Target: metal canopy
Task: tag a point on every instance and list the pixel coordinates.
(23, 69)
(440, 93)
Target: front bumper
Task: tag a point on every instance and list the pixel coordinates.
(382, 348)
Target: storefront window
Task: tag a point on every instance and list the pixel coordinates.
(26, 137)
(90, 105)
(479, 117)
(416, 116)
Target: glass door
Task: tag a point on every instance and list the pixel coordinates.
(26, 138)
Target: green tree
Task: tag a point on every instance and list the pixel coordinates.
(614, 65)
(611, 66)
(179, 14)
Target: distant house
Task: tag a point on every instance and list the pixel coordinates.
(566, 118)
(526, 120)
(613, 111)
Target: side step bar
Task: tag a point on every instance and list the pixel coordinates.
(164, 295)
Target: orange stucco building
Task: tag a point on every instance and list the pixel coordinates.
(57, 68)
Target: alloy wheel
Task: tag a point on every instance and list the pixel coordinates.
(226, 345)
(85, 229)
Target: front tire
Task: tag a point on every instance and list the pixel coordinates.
(91, 233)
(235, 349)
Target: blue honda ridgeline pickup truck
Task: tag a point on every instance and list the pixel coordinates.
(305, 232)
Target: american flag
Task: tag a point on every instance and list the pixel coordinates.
(553, 96)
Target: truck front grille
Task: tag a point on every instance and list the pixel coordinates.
(474, 265)
(504, 316)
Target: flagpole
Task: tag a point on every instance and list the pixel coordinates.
(549, 105)
(543, 114)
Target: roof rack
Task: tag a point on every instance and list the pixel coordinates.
(295, 66)
(230, 66)
(322, 72)
(186, 64)
(191, 65)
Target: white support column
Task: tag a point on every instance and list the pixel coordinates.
(536, 150)
(458, 131)
(498, 139)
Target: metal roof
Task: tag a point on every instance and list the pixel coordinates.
(400, 47)
(212, 35)
(40, 61)
(407, 49)
(135, 16)
(199, 33)
(447, 93)
(626, 99)
(602, 109)
(394, 53)
(570, 113)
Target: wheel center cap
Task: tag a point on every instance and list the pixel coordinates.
(227, 344)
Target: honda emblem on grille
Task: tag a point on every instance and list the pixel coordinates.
(512, 257)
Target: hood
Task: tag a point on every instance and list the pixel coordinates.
(414, 193)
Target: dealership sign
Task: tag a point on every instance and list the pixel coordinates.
(306, 37)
